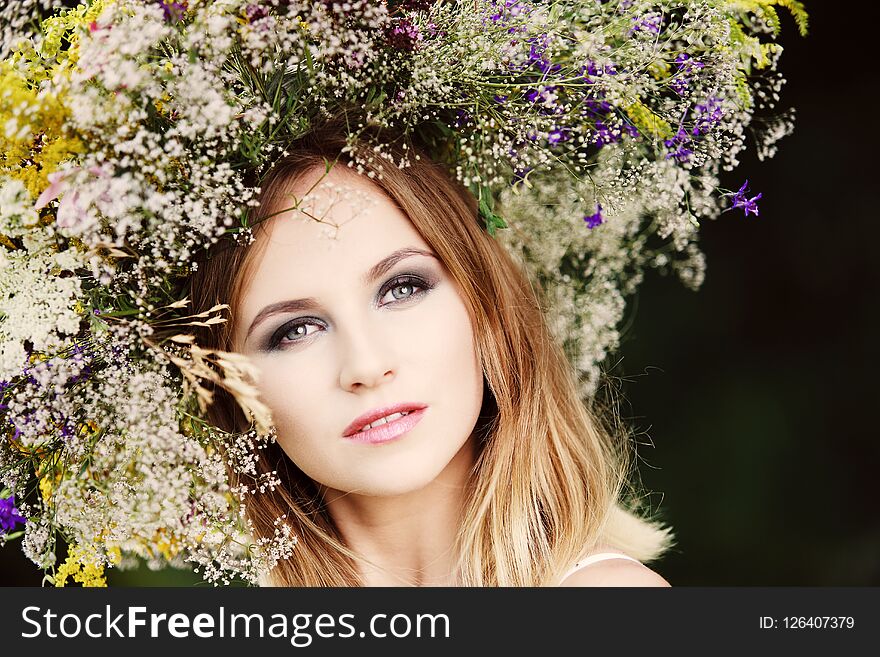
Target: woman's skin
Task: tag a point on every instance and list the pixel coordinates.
(366, 344)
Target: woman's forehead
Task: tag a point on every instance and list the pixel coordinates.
(333, 218)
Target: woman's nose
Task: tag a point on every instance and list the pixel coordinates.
(366, 360)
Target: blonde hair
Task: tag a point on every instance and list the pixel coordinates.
(549, 482)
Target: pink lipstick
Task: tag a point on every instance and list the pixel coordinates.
(406, 417)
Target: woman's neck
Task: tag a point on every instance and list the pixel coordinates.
(410, 539)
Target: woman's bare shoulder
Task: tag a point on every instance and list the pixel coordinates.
(615, 572)
(609, 571)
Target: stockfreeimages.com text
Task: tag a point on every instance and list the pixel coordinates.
(300, 629)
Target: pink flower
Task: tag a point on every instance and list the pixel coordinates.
(71, 214)
(54, 190)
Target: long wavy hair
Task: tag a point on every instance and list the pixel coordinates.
(550, 481)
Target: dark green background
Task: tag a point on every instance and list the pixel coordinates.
(757, 391)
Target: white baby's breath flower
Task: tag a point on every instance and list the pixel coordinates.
(17, 214)
(37, 301)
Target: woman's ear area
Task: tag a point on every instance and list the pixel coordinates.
(615, 572)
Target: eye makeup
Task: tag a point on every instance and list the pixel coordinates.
(420, 283)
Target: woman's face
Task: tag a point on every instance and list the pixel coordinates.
(345, 321)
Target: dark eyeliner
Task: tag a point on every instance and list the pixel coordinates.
(416, 280)
(274, 340)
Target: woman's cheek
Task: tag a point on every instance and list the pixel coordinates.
(447, 332)
(297, 413)
(290, 388)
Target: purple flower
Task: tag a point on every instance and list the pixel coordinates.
(598, 108)
(537, 48)
(591, 70)
(519, 176)
(9, 515)
(173, 10)
(682, 153)
(596, 219)
(537, 53)
(680, 85)
(84, 373)
(740, 200)
(507, 9)
(647, 23)
(557, 135)
(686, 65)
(403, 36)
(707, 115)
(680, 145)
(499, 99)
(255, 13)
(604, 135)
(432, 31)
(462, 118)
(544, 66)
(416, 5)
(545, 97)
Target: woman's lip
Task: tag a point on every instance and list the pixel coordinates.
(390, 430)
(378, 413)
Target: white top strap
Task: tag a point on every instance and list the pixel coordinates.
(593, 558)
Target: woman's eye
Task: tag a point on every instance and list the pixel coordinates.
(294, 333)
(402, 289)
(298, 331)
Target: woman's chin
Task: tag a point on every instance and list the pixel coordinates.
(389, 481)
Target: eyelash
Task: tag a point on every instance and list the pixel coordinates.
(398, 281)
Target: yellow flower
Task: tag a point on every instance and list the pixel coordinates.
(46, 487)
(34, 138)
(659, 70)
(647, 122)
(67, 26)
(49, 475)
(82, 568)
(168, 547)
(89, 426)
(114, 554)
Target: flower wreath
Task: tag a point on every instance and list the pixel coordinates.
(134, 134)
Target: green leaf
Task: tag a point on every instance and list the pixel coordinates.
(492, 220)
(495, 223)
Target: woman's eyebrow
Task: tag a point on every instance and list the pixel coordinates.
(310, 303)
(385, 264)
